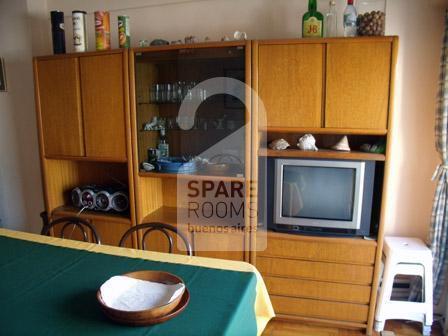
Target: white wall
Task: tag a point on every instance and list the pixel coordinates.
(419, 23)
(414, 158)
(20, 186)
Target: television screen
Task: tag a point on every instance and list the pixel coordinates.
(318, 192)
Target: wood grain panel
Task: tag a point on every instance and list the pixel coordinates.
(59, 104)
(148, 196)
(353, 274)
(357, 86)
(103, 105)
(320, 309)
(322, 154)
(320, 290)
(111, 232)
(229, 246)
(330, 249)
(290, 81)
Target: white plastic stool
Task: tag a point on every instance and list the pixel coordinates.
(408, 256)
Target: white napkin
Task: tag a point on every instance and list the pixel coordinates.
(129, 294)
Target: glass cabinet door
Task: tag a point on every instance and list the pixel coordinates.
(206, 83)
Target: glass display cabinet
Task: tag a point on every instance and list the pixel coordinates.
(191, 122)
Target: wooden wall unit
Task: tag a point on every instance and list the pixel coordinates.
(156, 192)
(82, 106)
(97, 103)
(310, 278)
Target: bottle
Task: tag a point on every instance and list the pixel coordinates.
(312, 21)
(331, 21)
(58, 32)
(350, 17)
(163, 146)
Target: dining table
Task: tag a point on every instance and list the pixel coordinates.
(48, 286)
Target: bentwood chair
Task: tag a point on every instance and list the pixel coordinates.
(70, 225)
(165, 229)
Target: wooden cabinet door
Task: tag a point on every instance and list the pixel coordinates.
(223, 245)
(290, 79)
(357, 88)
(103, 103)
(59, 104)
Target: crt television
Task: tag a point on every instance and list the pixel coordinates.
(323, 196)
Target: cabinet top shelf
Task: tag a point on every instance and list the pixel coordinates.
(324, 130)
(192, 176)
(91, 215)
(322, 154)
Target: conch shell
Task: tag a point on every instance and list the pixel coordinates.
(342, 145)
(307, 143)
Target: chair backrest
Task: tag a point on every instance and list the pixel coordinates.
(70, 224)
(147, 228)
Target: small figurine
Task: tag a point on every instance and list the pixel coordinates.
(307, 143)
(143, 43)
(342, 145)
(191, 39)
(279, 144)
(239, 36)
(156, 124)
(225, 38)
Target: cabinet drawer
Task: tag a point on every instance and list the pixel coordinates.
(353, 274)
(320, 309)
(318, 290)
(344, 250)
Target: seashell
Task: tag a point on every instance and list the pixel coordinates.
(307, 143)
(342, 145)
(279, 144)
(148, 166)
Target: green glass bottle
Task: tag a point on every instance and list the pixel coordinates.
(312, 21)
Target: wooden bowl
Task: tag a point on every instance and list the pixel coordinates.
(150, 316)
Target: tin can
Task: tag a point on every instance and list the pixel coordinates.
(124, 37)
(58, 32)
(79, 31)
(102, 30)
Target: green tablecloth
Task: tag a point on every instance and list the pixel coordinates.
(51, 290)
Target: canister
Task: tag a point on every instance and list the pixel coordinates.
(58, 31)
(124, 37)
(79, 31)
(102, 30)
